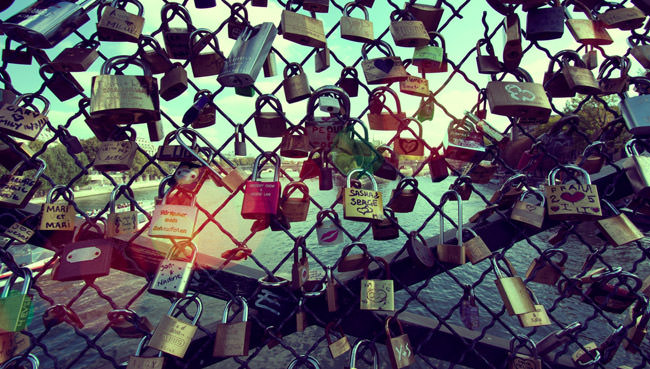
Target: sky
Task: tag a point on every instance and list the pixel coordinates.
(460, 36)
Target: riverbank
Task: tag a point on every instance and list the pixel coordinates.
(101, 190)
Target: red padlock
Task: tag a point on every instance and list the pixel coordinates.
(262, 198)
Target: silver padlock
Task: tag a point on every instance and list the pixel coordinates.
(373, 350)
(328, 232)
(310, 360)
(13, 362)
(637, 169)
(173, 275)
(635, 109)
(329, 104)
(248, 55)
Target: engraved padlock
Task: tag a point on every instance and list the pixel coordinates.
(512, 289)
(58, 216)
(577, 200)
(17, 188)
(385, 69)
(77, 58)
(124, 223)
(301, 29)
(177, 39)
(205, 64)
(588, 31)
(175, 270)
(356, 29)
(114, 155)
(137, 361)
(523, 99)
(116, 24)
(406, 30)
(637, 169)
(618, 228)
(172, 335)
(18, 121)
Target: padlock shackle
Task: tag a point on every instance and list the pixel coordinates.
(12, 363)
(115, 4)
(373, 350)
(280, 281)
(459, 231)
(125, 59)
(196, 46)
(142, 345)
(59, 190)
(327, 212)
(597, 146)
(241, 302)
(121, 190)
(302, 244)
(346, 250)
(381, 45)
(308, 358)
(293, 67)
(379, 92)
(524, 341)
(621, 63)
(377, 260)
(211, 150)
(27, 282)
(182, 13)
(32, 96)
(340, 94)
(270, 99)
(362, 171)
(349, 7)
(494, 259)
(609, 206)
(268, 155)
(387, 326)
(196, 300)
(567, 168)
(294, 186)
(536, 193)
(635, 81)
(404, 126)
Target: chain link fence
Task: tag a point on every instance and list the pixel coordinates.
(352, 266)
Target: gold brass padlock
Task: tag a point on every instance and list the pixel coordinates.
(116, 156)
(512, 52)
(205, 64)
(578, 200)
(352, 262)
(618, 229)
(356, 29)
(377, 118)
(546, 271)
(300, 267)
(77, 58)
(536, 318)
(137, 361)
(172, 335)
(447, 253)
(18, 121)
(58, 216)
(529, 213)
(301, 29)
(116, 24)
(174, 82)
(338, 346)
(400, 350)
(124, 223)
(523, 99)
(475, 248)
(588, 31)
(295, 209)
(517, 360)
(232, 339)
(377, 294)
(512, 289)
(296, 86)
(387, 69)
(407, 31)
(17, 189)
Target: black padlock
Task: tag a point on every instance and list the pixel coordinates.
(349, 81)
(545, 23)
(325, 180)
(71, 143)
(240, 140)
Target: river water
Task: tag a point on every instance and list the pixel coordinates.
(440, 294)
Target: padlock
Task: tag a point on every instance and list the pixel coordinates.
(400, 350)
(588, 31)
(475, 248)
(569, 79)
(322, 59)
(116, 156)
(137, 361)
(574, 201)
(463, 142)
(295, 143)
(387, 69)
(301, 317)
(237, 22)
(205, 4)
(59, 313)
(469, 309)
(175, 271)
(347, 262)
(528, 213)
(316, 6)
(639, 316)
(58, 216)
(512, 51)
(15, 307)
(124, 223)
(18, 121)
(389, 167)
(43, 25)
(300, 266)
(323, 130)
(590, 57)
(327, 231)
(169, 152)
(406, 30)
(172, 335)
(331, 294)
(618, 229)
(509, 192)
(269, 67)
(587, 357)
(84, 259)
(355, 349)
(311, 361)
(632, 109)
(124, 98)
(269, 124)
(62, 84)
(19, 55)
(7, 346)
(116, 24)
(415, 86)
(525, 100)
(402, 200)
(612, 291)
(640, 49)
(356, 29)
(296, 86)
(19, 232)
(232, 338)
(325, 177)
(545, 270)
(301, 29)
(517, 360)
(487, 129)
(462, 185)
(387, 228)
(636, 169)
(431, 58)
(545, 23)
(16, 189)
(447, 253)
(203, 112)
(512, 289)
(295, 209)
(419, 251)
(557, 338)
(262, 198)
(177, 39)
(349, 84)
(157, 58)
(409, 148)
(537, 318)
(377, 294)
(247, 56)
(378, 120)
(205, 64)
(311, 167)
(487, 64)
(175, 216)
(438, 168)
(360, 204)
(30, 359)
(240, 140)
(128, 324)
(608, 83)
(77, 58)
(618, 16)
(593, 157)
(429, 15)
(174, 82)
(337, 346)
(610, 345)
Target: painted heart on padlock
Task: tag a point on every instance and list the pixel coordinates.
(555, 208)
(531, 207)
(519, 363)
(408, 146)
(574, 197)
(384, 65)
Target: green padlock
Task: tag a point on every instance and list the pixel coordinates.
(15, 307)
(425, 111)
(247, 91)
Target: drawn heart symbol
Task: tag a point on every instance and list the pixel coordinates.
(530, 207)
(595, 210)
(575, 197)
(384, 65)
(555, 208)
(408, 146)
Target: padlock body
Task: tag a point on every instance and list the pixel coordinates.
(545, 23)
(302, 29)
(173, 83)
(377, 294)
(172, 278)
(519, 99)
(526, 213)
(514, 295)
(115, 155)
(619, 230)
(356, 29)
(260, 198)
(362, 205)
(14, 312)
(172, 336)
(452, 254)
(119, 25)
(136, 100)
(572, 201)
(84, 260)
(21, 122)
(328, 233)
(173, 221)
(232, 339)
(633, 110)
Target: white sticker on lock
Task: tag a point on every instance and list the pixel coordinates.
(83, 254)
